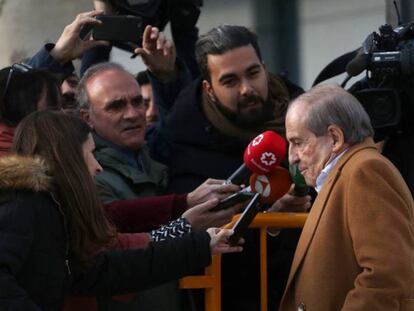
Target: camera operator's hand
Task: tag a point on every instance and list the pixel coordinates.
(200, 217)
(157, 53)
(69, 45)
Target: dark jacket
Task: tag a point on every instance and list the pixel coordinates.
(43, 60)
(199, 151)
(120, 180)
(34, 262)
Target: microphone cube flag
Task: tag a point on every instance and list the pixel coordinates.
(271, 186)
(265, 152)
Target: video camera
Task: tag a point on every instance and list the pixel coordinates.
(387, 90)
(388, 58)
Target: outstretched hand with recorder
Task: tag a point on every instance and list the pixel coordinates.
(204, 199)
(202, 217)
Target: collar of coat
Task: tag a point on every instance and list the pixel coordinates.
(24, 172)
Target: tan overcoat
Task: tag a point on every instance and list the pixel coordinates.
(356, 251)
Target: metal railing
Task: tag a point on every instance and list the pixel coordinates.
(211, 280)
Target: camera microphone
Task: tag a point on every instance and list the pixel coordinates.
(358, 64)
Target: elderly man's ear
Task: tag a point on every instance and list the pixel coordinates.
(337, 137)
(85, 116)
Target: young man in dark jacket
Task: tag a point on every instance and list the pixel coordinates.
(212, 121)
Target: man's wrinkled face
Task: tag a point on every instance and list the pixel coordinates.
(308, 151)
(117, 110)
(239, 85)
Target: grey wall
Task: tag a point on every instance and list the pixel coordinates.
(26, 24)
(327, 28)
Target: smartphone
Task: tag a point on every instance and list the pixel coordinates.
(245, 219)
(118, 28)
(231, 200)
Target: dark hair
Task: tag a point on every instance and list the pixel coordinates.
(220, 40)
(142, 78)
(24, 92)
(58, 138)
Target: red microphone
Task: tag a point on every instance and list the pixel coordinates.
(271, 186)
(265, 152)
(262, 155)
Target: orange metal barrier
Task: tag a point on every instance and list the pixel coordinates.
(211, 280)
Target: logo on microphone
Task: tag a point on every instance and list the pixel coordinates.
(262, 185)
(257, 140)
(268, 158)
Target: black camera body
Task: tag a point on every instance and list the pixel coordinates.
(386, 92)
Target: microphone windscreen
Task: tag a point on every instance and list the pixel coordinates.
(265, 152)
(357, 65)
(271, 186)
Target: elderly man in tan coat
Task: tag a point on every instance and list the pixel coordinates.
(356, 251)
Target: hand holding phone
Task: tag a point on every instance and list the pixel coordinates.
(70, 45)
(245, 219)
(231, 200)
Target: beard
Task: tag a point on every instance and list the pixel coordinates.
(251, 118)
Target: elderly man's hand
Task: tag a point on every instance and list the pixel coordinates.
(157, 53)
(69, 45)
(201, 217)
(210, 189)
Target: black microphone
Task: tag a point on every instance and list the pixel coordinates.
(358, 64)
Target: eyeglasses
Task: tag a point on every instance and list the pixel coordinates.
(20, 68)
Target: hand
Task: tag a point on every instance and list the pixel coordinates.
(291, 203)
(200, 217)
(211, 188)
(157, 53)
(219, 241)
(69, 45)
(104, 6)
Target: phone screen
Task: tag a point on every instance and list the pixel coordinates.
(245, 219)
(231, 200)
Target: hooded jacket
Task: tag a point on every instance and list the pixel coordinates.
(35, 269)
